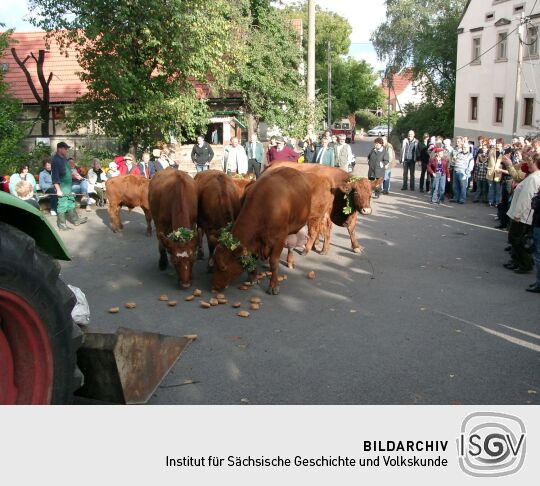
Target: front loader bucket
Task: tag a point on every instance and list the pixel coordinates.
(126, 367)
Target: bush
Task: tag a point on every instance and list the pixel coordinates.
(366, 120)
(86, 155)
(426, 118)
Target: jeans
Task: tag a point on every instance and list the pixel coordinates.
(201, 167)
(482, 189)
(424, 176)
(53, 199)
(438, 187)
(536, 255)
(460, 187)
(386, 183)
(408, 167)
(494, 193)
(81, 187)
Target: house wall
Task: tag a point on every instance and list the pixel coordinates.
(493, 77)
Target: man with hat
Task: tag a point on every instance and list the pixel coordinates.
(61, 178)
(281, 152)
(438, 169)
(129, 167)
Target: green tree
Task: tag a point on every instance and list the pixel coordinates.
(269, 79)
(141, 59)
(353, 82)
(353, 86)
(12, 130)
(422, 35)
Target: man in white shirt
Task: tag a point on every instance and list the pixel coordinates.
(343, 156)
(235, 159)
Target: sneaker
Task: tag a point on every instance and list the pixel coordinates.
(53, 213)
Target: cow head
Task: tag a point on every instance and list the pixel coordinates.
(358, 192)
(231, 259)
(227, 266)
(181, 245)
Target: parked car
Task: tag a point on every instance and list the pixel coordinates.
(378, 131)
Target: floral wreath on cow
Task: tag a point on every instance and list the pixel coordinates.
(348, 209)
(247, 259)
(181, 235)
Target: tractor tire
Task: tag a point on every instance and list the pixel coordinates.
(38, 338)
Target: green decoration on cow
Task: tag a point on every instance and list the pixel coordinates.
(348, 209)
(247, 259)
(181, 235)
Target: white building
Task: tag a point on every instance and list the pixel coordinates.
(487, 63)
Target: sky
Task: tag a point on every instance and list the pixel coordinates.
(363, 15)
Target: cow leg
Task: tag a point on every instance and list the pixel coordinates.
(351, 228)
(148, 217)
(273, 288)
(314, 227)
(290, 258)
(163, 261)
(326, 228)
(200, 251)
(111, 210)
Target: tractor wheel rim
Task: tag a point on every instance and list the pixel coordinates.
(26, 362)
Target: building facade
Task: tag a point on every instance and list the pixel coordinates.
(498, 69)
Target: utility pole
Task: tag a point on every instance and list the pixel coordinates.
(522, 22)
(389, 83)
(311, 52)
(329, 87)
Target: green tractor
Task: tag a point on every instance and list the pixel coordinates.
(44, 355)
(38, 339)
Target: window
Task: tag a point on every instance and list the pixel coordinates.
(528, 112)
(502, 45)
(499, 109)
(532, 41)
(476, 50)
(490, 16)
(474, 108)
(519, 8)
(58, 112)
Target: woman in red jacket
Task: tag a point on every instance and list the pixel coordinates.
(438, 169)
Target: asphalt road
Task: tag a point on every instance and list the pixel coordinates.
(427, 315)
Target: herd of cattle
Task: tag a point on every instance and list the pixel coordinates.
(244, 220)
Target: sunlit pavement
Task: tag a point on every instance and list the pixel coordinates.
(427, 315)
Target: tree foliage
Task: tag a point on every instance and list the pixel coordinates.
(353, 82)
(353, 86)
(269, 79)
(427, 117)
(422, 34)
(141, 60)
(12, 130)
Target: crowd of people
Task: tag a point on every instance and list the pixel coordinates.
(503, 176)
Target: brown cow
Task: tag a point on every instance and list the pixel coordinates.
(277, 205)
(218, 205)
(173, 202)
(322, 199)
(130, 191)
(357, 189)
(241, 182)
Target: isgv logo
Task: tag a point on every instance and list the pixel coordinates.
(491, 444)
